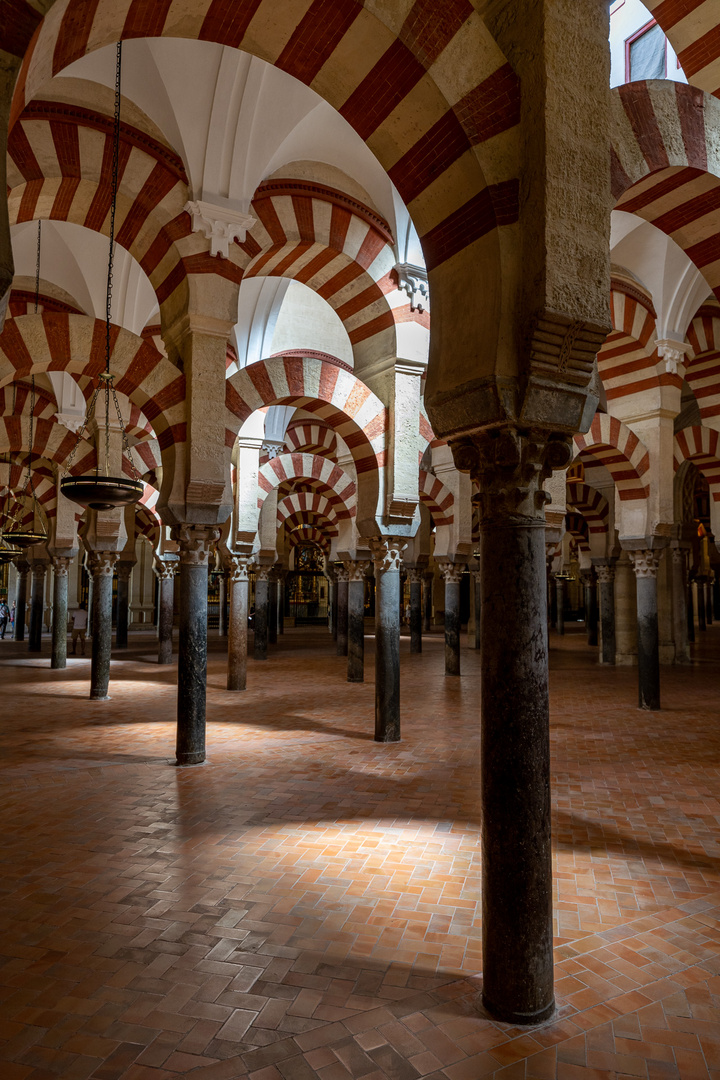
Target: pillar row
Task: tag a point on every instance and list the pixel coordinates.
(262, 597)
(591, 613)
(124, 569)
(679, 605)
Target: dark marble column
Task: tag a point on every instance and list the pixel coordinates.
(452, 572)
(272, 606)
(690, 613)
(58, 656)
(509, 468)
(428, 580)
(194, 548)
(708, 602)
(124, 569)
(37, 607)
(700, 590)
(679, 605)
(415, 577)
(606, 583)
(356, 619)
(476, 599)
(281, 600)
(560, 601)
(342, 612)
(645, 564)
(102, 564)
(222, 604)
(333, 602)
(165, 572)
(716, 594)
(238, 623)
(23, 572)
(260, 642)
(591, 611)
(387, 557)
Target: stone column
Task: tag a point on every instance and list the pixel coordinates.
(194, 548)
(560, 609)
(281, 601)
(222, 604)
(509, 468)
(333, 602)
(238, 624)
(387, 558)
(58, 657)
(355, 571)
(124, 569)
(645, 564)
(625, 612)
(716, 594)
(260, 644)
(37, 606)
(342, 612)
(690, 613)
(708, 602)
(102, 564)
(606, 582)
(415, 577)
(427, 601)
(451, 573)
(679, 605)
(476, 595)
(165, 573)
(23, 571)
(700, 590)
(591, 613)
(272, 608)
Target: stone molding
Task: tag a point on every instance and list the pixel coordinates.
(61, 565)
(564, 347)
(645, 562)
(194, 542)
(356, 569)
(387, 554)
(674, 353)
(605, 574)
(219, 224)
(413, 280)
(451, 572)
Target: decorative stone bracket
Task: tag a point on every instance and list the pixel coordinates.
(413, 280)
(220, 224)
(674, 354)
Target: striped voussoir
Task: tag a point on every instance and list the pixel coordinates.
(302, 437)
(454, 160)
(578, 528)
(700, 445)
(628, 360)
(590, 503)
(335, 396)
(659, 165)
(51, 440)
(317, 473)
(618, 449)
(310, 502)
(308, 534)
(147, 522)
(56, 341)
(22, 302)
(302, 519)
(438, 499)
(692, 27)
(15, 400)
(702, 369)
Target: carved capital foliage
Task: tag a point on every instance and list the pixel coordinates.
(262, 573)
(415, 576)
(588, 577)
(164, 571)
(356, 569)
(343, 574)
(387, 553)
(645, 563)
(124, 570)
(237, 566)
(451, 572)
(679, 556)
(509, 465)
(61, 565)
(102, 563)
(22, 566)
(38, 571)
(605, 574)
(194, 542)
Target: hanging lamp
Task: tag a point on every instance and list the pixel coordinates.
(100, 490)
(26, 538)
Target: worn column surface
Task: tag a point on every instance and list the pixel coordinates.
(124, 569)
(355, 570)
(387, 558)
(591, 615)
(102, 564)
(238, 623)
(58, 656)
(645, 564)
(560, 604)
(690, 613)
(476, 599)
(333, 602)
(222, 603)
(679, 605)
(260, 636)
(428, 579)
(194, 547)
(165, 572)
(606, 584)
(452, 573)
(342, 612)
(700, 590)
(37, 606)
(416, 615)
(281, 601)
(23, 571)
(272, 609)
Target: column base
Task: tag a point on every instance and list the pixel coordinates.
(189, 759)
(519, 1017)
(390, 737)
(97, 695)
(358, 680)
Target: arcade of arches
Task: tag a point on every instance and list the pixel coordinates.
(415, 335)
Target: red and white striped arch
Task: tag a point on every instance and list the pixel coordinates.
(662, 158)
(438, 499)
(337, 397)
(455, 160)
(50, 440)
(310, 517)
(615, 446)
(590, 503)
(702, 369)
(302, 437)
(306, 502)
(700, 445)
(627, 361)
(577, 526)
(15, 400)
(308, 534)
(319, 473)
(693, 27)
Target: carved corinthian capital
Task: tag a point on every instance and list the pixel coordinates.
(451, 572)
(165, 570)
(387, 553)
(60, 565)
(356, 569)
(605, 574)
(645, 563)
(102, 563)
(237, 566)
(509, 466)
(194, 543)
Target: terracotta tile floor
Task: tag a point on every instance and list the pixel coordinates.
(306, 904)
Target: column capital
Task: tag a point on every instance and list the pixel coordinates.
(356, 569)
(679, 555)
(415, 575)
(605, 574)
(61, 564)
(102, 563)
(262, 572)
(387, 553)
(343, 574)
(237, 568)
(39, 569)
(509, 465)
(165, 570)
(645, 562)
(194, 542)
(451, 572)
(22, 566)
(587, 577)
(124, 569)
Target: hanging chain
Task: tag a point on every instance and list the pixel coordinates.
(113, 204)
(81, 430)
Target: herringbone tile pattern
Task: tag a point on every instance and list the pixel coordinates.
(307, 903)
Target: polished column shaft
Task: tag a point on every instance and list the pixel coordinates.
(560, 609)
(700, 589)
(679, 605)
(165, 572)
(427, 601)
(222, 604)
(387, 557)
(645, 564)
(58, 656)
(272, 609)
(591, 613)
(260, 637)
(476, 599)
(124, 569)
(356, 619)
(238, 623)
(194, 547)
(23, 571)
(37, 606)
(102, 564)
(452, 572)
(416, 619)
(606, 581)
(342, 612)
(690, 613)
